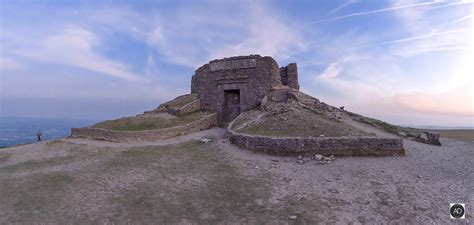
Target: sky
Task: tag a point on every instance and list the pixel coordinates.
(407, 62)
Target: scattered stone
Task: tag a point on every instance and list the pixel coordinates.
(334, 191)
(328, 159)
(299, 161)
(274, 160)
(300, 157)
(256, 167)
(377, 183)
(287, 160)
(293, 217)
(205, 140)
(332, 158)
(318, 157)
(322, 135)
(420, 208)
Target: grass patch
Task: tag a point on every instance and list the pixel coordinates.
(300, 123)
(380, 124)
(4, 156)
(459, 134)
(33, 197)
(191, 182)
(54, 142)
(37, 164)
(187, 183)
(149, 122)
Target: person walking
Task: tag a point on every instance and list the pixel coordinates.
(39, 135)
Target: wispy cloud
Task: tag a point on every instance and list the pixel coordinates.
(462, 18)
(462, 2)
(377, 11)
(74, 46)
(9, 64)
(331, 71)
(426, 36)
(343, 5)
(426, 50)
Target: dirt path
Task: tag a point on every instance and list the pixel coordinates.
(215, 132)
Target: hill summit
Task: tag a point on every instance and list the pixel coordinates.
(260, 105)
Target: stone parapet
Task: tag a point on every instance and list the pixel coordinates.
(146, 135)
(338, 146)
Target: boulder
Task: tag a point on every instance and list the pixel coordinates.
(428, 138)
(172, 111)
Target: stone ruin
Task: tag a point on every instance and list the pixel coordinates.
(232, 85)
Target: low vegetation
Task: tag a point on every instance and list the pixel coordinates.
(459, 134)
(296, 123)
(150, 122)
(4, 157)
(379, 124)
(170, 184)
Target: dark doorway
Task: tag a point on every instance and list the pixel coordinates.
(231, 105)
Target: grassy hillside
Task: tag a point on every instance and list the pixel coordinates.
(150, 121)
(294, 123)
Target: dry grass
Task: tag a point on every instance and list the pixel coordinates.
(138, 123)
(460, 134)
(4, 156)
(299, 123)
(389, 128)
(169, 185)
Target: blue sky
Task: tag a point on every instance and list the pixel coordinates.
(406, 62)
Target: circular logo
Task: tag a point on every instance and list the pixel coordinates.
(456, 211)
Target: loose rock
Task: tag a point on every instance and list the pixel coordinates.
(205, 140)
(318, 157)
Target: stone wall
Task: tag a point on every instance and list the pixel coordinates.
(289, 76)
(338, 146)
(147, 135)
(175, 104)
(253, 76)
(190, 107)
